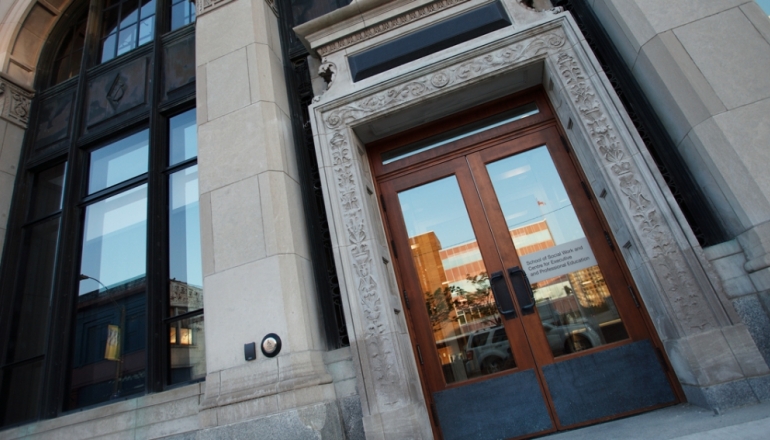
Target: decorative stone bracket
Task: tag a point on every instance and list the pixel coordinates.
(14, 102)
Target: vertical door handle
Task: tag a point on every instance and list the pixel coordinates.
(503, 298)
(522, 289)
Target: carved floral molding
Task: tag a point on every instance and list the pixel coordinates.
(14, 103)
(668, 265)
(685, 298)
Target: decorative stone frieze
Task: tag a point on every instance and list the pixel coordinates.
(388, 25)
(454, 75)
(14, 102)
(204, 6)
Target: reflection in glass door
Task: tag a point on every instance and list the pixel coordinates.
(464, 321)
(571, 295)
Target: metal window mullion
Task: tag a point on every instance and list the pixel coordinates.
(157, 221)
(62, 312)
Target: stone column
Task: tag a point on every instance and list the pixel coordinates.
(256, 263)
(14, 113)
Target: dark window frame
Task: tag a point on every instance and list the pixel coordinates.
(74, 150)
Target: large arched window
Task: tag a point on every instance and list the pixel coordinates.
(101, 285)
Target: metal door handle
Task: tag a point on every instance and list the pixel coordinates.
(503, 298)
(522, 289)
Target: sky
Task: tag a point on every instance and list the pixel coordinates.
(765, 4)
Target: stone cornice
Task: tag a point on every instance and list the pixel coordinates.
(387, 25)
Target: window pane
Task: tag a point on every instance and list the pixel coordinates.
(145, 30)
(114, 240)
(185, 267)
(108, 357)
(129, 13)
(118, 162)
(110, 21)
(127, 39)
(183, 137)
(108, 353)
(148, 8)
(182, 13)
(459, 133)
(30, 324)
(48, 191)
(108, 47)
(177, 15)
(21, 396)
(187, 353)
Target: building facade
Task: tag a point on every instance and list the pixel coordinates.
(379, 219)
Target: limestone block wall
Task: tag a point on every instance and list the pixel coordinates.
(701, 64)
(256, 261)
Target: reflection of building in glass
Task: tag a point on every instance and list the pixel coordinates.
(188, 357)
(589, 287)
(430, 270)
(454, 268)
(532, 238)
(104, 368)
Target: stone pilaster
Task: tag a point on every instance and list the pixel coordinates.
(14, 114)
(257, 271)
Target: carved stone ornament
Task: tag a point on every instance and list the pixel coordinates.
(672, 269)
(14, 102)
(327, 71)
(668, 264)
(117, 91)
(416, 89)
(389, 25)
(204, 6)
(273, 6)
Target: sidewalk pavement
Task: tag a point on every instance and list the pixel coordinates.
(681, 422)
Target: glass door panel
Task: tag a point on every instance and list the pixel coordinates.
(466, 326)
(571, 296)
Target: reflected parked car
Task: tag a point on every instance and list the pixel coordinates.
(488, 351)
(571, 338)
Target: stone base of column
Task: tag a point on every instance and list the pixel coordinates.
(403, 423)
(720, 368)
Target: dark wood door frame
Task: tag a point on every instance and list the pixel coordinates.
(541, 129)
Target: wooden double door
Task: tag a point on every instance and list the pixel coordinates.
(522, 319)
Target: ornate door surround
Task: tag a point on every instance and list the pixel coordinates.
(663, 257)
